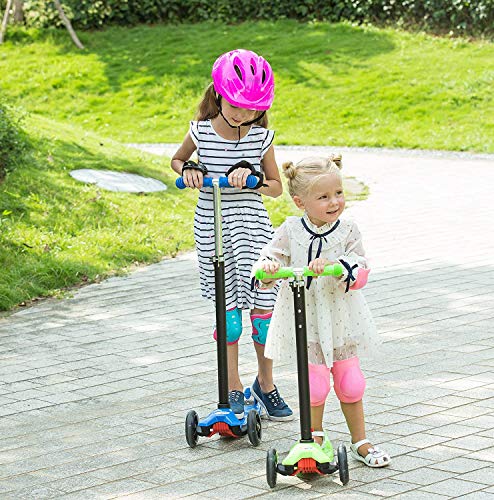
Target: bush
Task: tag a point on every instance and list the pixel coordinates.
(13, 140)
(461, 17)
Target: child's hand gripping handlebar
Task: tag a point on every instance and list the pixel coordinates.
(290, 272)
(251, 182)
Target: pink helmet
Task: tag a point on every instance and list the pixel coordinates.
(244, 79)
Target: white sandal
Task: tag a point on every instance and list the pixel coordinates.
(374, 458)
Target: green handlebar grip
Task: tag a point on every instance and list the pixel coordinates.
(331, 270)
(287, 272)
(283, 272)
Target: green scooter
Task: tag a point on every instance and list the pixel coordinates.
(305, 456)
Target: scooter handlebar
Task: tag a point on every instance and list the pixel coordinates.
(251, 182)
(289, 272)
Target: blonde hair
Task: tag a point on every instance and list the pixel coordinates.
(208, 108)
(304, 175)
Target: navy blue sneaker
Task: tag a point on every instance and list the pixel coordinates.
(272, 403)
(237, 401)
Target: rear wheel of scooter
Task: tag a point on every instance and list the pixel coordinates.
(254, 428)
(271, 463)
(343, 464)
(191, 422)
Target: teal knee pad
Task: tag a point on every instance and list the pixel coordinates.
(260, 326)
(233, 326)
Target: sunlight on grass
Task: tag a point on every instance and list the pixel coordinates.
(337, 84)
(59, 232)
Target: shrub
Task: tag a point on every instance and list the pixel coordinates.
(461, 17)
(13, 140)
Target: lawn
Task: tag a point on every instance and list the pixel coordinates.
(336, 84)
(56, 232)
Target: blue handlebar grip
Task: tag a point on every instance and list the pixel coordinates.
(251, 182)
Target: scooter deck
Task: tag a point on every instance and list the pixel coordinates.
(225, 423)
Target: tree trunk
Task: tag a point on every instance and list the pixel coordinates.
(19, 11)
(68, 24)
(5, 21)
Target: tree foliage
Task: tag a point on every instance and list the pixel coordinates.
(460, 17)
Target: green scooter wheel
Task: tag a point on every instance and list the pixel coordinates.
(343, 464)
(271, 464)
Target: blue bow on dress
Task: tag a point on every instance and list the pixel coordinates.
(314, 237)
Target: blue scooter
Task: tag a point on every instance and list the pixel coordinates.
(223, 421)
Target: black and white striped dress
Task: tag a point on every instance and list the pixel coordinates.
(246, 225)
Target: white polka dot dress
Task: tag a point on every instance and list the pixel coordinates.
(246, 224)
(339, 323)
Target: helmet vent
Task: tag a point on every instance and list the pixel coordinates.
(239, 73)
(263, 76)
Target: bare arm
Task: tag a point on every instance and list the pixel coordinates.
(274, 187)
(192, 178)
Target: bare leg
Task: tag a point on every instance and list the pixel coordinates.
(264, 365)
(354, 416)
(265, 369)
(234, 382)
(316, 416)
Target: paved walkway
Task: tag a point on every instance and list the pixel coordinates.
(94, 389)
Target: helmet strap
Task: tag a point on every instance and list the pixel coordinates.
(245, 124)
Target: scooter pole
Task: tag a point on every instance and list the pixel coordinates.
(220, 301)
(219, 281)
(298, 288)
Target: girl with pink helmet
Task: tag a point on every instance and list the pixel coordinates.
(230, 137)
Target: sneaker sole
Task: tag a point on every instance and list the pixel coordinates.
(264, 412)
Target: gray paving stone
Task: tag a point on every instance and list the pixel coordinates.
(473, 442)
(454, 487)
(420, 495)
(423, 476)
(423, 440)
(93, 394)
(460, 465)
(386, 488)
(482, 475)
(479, 495)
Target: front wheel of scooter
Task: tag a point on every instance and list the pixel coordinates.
(343, 464)
(254, 428)
(271, 464)
(191, 422)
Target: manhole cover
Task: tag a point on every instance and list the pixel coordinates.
(118, 181)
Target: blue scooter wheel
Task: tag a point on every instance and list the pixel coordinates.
(191, 422)
(343, 464)
(254, 427)
(271, 465)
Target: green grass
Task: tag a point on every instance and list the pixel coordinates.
(56, 232)
(336, 84)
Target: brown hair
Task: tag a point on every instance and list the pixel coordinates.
(302, 176)
(208, 108)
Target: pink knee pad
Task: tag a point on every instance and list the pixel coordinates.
(348, 380)
(319, 384)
